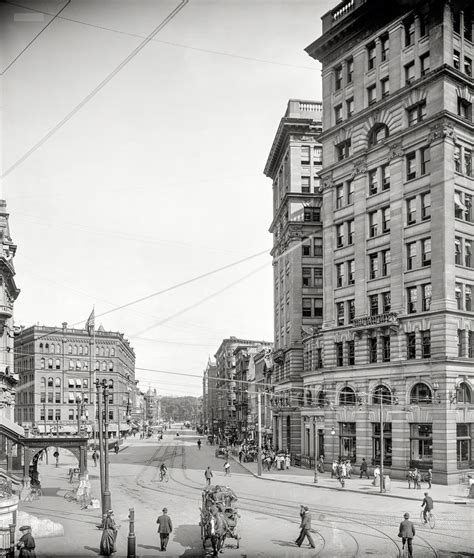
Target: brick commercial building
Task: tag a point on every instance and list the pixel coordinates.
(398, 226)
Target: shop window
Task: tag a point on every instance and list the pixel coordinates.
(347, 441)
(421, 445)
(387, 443)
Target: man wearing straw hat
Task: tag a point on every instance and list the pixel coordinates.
(165, 527)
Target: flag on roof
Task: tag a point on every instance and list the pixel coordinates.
(90, 324)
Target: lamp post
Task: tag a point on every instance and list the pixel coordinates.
(44, 416)
(101, 445)
(333, 434)
(381, 442)
(107, 499)
(78, 401)
(259, 423)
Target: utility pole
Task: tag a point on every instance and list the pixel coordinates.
(381, 441)
(259, 426)
(101, 446)
(107, 499)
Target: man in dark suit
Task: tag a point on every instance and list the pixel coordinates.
(165, 527)
(407, 532)
(305, 528)
(428, 505)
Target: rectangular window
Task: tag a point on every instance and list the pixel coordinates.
(318, 277)
(372, 349)
(50, 414)
(424, 24)
(340, 235)
(386, 348)
(464, 108)
(468, 66)
(458, 293)
(351, 310)
(467, 159)
(386, 302)
(338, 113)
(350, 69)
(425, 63)
(409, 26)
(312, 214)
(373, 182)
(425, 160)
(306, 309)
(319, 358)
(371, 54)
(371, 94)
(339, 354)
(374, 305)
(416, 113)
(411, 211)
(457, 251)
(373, 266)
(386, 263)
(385, 87)
(411, 345)
(468, 252)
(385, 44)
(306, 247)
(305, 185)
(470, 344)
(457, 59)
(339, 313)
(426, 302)
(411, 255)
(460, 342)
(350, 232)
(411, 166)
(385, 177)
(57, 414)
(307, 277)
(339, 275)
(412, 299)
(421, 445)
(338, 78)
(385, 220)
(347, 441)
(350, 107)
(373, 224)
(409, 73)
(343, 150)
(457, 158)
(350, 272)
(350, 353)
(468, 298)
(425, 206)
(425, 343)
(339, 195)
(318, 247)
(387, 443)
(426, 252)
(305, 154)
(71, 414)
(350, 192)
(318, 308)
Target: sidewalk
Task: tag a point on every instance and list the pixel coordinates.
(453, 494)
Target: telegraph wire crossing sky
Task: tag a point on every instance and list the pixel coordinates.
(158, 178)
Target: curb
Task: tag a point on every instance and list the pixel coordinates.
(465, 501)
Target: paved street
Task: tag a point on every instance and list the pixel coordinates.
(269, 510)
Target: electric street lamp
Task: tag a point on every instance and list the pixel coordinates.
(333, 434)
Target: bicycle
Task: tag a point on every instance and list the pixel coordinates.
(71, 495)
(35, 494)
(164, 477)
(430, 519)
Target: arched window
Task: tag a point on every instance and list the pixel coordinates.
(42, 363)
(111, 384)
(97, 365)
(97, 351)
(111, 366)
(107, 352)
(104, 366)
(463, 393)
(347, 396)
(102, 351)
(377, 134)
(322, 398)
(51, 350)
(309, 397)
(112, 352)
(50, 363)
(81, 350)
(85, 365)
(50, 382)
(46, 348)
(78, 365)
(421, 394)
(69, 349)
(57, 364)
(57, 382)
(43, 383)
(74, 350)
(41, 347)
(382, 392)
(86, 350)
(58, 349)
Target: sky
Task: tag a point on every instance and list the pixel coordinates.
(125, 179)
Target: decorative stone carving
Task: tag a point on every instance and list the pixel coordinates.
(360, 167)
(327, 184)
(441, 131)
(395, 151)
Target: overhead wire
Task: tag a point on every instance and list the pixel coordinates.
(54, 17)
(96, 89)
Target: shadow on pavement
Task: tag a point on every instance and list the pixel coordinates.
(186, 535)
(284, 543)
(91, 548)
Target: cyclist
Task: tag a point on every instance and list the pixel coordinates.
(428, 505)
(163, 471)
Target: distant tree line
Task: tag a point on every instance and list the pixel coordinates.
(180, 408)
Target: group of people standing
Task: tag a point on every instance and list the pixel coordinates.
(342, 470)
(414, 478)
(278, 461)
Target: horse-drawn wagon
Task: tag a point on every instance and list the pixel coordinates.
(219, 517)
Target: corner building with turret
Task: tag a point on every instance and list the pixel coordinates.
(398, 223)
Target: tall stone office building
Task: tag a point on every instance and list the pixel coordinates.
(293, 164)
(398, 232)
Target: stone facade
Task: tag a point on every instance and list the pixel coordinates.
(398, 228)
(293, 165)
